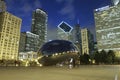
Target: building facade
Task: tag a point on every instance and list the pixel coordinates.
(10, 26)
(64, 31)
(39, 25)
(2, 6)
(22, 42)
(87, 41)
(107, 24)
(30, 56)
(29, 42)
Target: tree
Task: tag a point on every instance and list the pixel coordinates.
(103, 55)
(84, 59)
(97, 57)
(110, 57)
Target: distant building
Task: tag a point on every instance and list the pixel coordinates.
(22, 42)
(64, 31)
(87, 41)
(108, 28)
(76, 34)
(29, 42)
(2, 6)
(30, 56)
(10, 26)
(39, 25)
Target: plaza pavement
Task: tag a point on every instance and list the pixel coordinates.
(83, 72)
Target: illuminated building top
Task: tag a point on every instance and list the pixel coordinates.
(102, 8)
(115, 2)
(64, 31)
(65, 27)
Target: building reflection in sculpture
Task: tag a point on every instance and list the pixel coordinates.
(57, 51)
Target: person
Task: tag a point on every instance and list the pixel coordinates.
(71, 63)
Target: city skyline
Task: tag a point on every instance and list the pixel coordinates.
(30, 48)
(70, 11)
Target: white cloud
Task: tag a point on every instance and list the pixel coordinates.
(37, 4)
(51, 32)
(68, 9)
(27, 8)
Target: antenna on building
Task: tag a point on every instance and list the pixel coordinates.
(78, 21)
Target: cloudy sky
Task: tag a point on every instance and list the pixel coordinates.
(69, 11)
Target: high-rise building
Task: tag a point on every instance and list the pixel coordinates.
(28, 42)
(115, 2)
(10, 26)
(76, 34)
(39, 25)
(2, 6)
(64, 31)
(107, 23)
(87, 41)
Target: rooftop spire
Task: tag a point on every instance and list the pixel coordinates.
(78, 21)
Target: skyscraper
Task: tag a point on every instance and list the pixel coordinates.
(28, 42)
(10, 26)
(87, 41)
(107, 23)
(39, 25)
(77, 36)
(64, 31)
(2, 6)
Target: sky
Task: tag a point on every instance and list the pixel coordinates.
(70, 11)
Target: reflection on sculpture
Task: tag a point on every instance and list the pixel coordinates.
(57, 51)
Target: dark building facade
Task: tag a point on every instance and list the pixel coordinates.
(77, 36)
(39, 25)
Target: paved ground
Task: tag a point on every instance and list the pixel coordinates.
(61, 73)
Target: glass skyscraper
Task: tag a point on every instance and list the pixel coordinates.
(39, 25)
